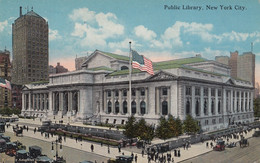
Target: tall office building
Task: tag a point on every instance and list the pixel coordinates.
(30, 48)
(5, 74)
(242, 66)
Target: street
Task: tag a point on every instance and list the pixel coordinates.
(71, 155)
(234, 155)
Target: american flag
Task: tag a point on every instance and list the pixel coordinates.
(142, 63)
(5, 83)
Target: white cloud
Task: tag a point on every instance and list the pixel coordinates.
(54, 34)
(144, 33)
(123, 44)
(93, 29)
(3, 25)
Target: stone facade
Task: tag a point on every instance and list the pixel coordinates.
(102, 93)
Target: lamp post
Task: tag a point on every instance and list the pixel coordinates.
(56, 143)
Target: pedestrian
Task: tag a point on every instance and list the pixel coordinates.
(76, 139)
(172, 160)
(27, 128)
(34, 130)
(135, 157)
(132, 155)
(211, 144)
(142, 152)
(92, 147)
(179, 153)
(184, 146)
(108, 149)
(64, 138)
(101, 144)
(207, 144)
(123, 153)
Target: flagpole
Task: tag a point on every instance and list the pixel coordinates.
(130, 77)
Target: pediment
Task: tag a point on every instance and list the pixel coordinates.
(161, 75)
(24, 88)
(230, 82)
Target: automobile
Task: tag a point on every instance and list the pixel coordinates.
(6, 138)
(20, 146)
(124, 159)
(2, 145)
(22, 156)
(43, 159)
(11, 149)
(256, 134)
(35, 151)
(220, 146)
(231, 145)
(86, 161)
(2, 127)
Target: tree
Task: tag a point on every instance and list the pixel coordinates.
(130, 128)
(144, 130)
(190, 125)
(178, 127)
(162, 131)
(172, 126)
(257, 107)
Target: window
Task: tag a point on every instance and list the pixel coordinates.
(212, 106)
(124, 68)
(188, 91)
(187, 107)
(125, 93)
(133, 105)
(164, 108)
(117, 107)
(164, 91)
(205, 91)
(213, 121)
(205, 107)
(109, 107)
(197, 107)
(143, 107)
(108, 93)
(124, 107)
(206, 122)
(219, 103)
(133, 92)
(142, 92)
(212, 92)
(197, 91)
(116, 93)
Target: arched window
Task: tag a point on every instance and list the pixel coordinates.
(124, 68)
(187, 107)
(197, 107)
(143, 107)
(117, 107)
(219, 105)
(124, 107)
(205, 107)
(133, 105)
(164, 108)
(109, 107)
(212, 107)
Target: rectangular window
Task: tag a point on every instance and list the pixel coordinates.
(116, 93)
(108, 93)
(142, 92)
(197, 91)
(125, 93)
(188, 90)
(212, 92)
(133, 92)
(164, 91)
(205, 91)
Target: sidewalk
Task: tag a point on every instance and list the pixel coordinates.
(195, 150)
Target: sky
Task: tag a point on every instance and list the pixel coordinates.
(158, 29)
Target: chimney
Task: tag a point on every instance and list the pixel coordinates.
(21, 11)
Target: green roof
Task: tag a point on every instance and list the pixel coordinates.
(124, 72)
(100, 68)
(116, 56)
(39, 82)
(178, 63)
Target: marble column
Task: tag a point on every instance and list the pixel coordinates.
(138, 110)
(120, 101)
(209, 102)
(157, 109)
(147, 110)
(105, 101)
(216, 101)
(113, 101)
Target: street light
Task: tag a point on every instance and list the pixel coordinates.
(56, 143)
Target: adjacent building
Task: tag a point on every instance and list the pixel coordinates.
(79, 61)
(5, 74)
(58, 69)
(30, 48)
(100, 92)
(242, 66)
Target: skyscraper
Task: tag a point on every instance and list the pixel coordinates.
(30, 48)
(242, 66)
(5, 74)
